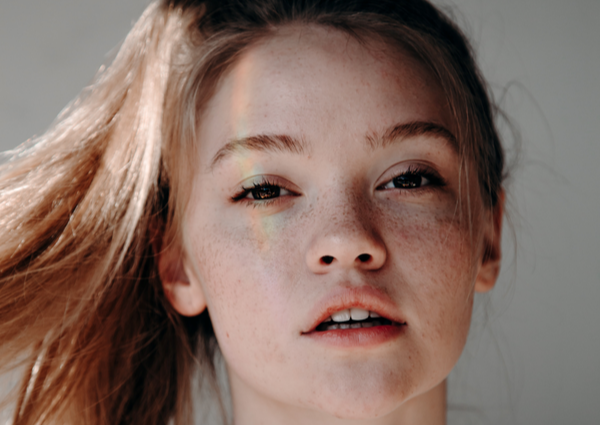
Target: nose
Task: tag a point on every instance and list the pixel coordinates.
(346, 244)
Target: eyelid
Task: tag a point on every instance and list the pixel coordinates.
(251, 183)
(418, 167)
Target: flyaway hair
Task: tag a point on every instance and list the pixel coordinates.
(80, 301)
(85, 207)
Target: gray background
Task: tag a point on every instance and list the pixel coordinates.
(534, 353)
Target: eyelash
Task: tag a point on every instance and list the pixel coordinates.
(433, 179)
(263, 184)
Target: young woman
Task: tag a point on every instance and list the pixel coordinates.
(311, 188)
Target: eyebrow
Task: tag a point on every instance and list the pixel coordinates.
(260, 142)
(399, 132)
(285, 143)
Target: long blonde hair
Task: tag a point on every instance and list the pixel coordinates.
(85, 207)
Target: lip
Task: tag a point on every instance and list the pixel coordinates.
(365, 297)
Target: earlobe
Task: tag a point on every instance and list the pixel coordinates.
(185, 294)
(492, 255)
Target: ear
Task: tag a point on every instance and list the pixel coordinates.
(185, 294)
(489, 268)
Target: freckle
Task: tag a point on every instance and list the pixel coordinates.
(227, 334)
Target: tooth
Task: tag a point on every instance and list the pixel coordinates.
(367, 324)
(358, 314)
(341, 316)
(354, 325)
(333, 327)
(344, 326)
(373, 314)
(327, 320)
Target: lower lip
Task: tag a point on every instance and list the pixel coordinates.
(359, 337)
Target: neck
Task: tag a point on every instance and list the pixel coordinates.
(252, 408)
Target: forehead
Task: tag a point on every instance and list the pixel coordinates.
(317, 83)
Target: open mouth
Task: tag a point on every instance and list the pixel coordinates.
(354, 318)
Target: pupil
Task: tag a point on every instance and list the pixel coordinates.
(265, 192)
(407, 181)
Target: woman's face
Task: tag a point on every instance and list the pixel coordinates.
(327, 179)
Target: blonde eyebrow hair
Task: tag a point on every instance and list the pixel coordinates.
(285, 143)
(260, 142)
(411, 129)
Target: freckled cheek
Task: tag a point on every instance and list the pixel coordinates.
(432, 257)
(429, 244)
(248, 275)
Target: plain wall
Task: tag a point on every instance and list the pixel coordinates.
(534, 353)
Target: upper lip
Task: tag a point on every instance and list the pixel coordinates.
(341, 298)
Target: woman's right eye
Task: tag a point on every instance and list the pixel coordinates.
(262, 193)
(266, 191)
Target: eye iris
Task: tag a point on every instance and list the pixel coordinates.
(265, 192)
(407, 181)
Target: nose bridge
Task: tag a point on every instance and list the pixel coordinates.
(347, 213)
(347, 236)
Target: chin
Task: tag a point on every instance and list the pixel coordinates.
(362, 399)
(360, 409)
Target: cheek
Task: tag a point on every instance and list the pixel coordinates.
(434, 270)
(242, 268)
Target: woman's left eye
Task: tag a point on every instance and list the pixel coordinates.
(413, 179)
(406, 181)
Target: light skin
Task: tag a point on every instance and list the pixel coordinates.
(363, 206)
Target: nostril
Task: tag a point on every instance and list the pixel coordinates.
(326, 259)
(364, 258)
